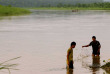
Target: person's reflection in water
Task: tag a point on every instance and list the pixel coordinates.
(95, 64)
(69, 71)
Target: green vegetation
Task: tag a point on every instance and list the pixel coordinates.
(106, 66)
(38, 3)
(70, 8)
(92, 6)
(9, 10)
(8, 67)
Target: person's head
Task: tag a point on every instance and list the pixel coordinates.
(73, 44)
(94, 38)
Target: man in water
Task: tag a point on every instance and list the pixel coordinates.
(95, 46)
(70, 55)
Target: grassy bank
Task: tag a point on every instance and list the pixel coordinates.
(70, 8)
(8, 10)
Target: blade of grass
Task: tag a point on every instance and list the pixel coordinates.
(9, 60)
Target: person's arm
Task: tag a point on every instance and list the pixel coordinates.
(68, 58)
(99, 49)
(99, 46)
(85, 46)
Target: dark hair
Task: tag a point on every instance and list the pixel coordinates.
(94, 37)
(73, 43)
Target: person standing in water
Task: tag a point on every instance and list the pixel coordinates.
(70, 55)
(95, 46)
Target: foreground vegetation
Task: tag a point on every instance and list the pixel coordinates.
(8, 10)
(92, 6)
(5, 65)
(106, 66)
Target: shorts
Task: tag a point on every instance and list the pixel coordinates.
(96, 52)
(71, 65)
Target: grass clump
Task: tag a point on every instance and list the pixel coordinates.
(8, 10)
(8, 67)
(106, 66)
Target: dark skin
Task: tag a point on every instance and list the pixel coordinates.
(73, 46)
(88, 46)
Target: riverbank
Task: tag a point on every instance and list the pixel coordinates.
(91, 6)
(70, 8)
(8, 11)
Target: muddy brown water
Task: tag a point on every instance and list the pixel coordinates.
(43, 37)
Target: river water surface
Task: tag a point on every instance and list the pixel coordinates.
(43, 37)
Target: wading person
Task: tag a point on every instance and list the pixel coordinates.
(70, 55)
(95, 46)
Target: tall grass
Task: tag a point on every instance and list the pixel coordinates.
(5, 65)
(8, 10)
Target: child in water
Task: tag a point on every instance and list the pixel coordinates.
(70, 56)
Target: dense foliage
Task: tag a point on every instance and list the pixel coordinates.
(99, 5)
(43, 3)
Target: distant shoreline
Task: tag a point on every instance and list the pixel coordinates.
(11, 11)
(69, 8)
(91, 6)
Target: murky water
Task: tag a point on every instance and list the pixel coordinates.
(43, 37)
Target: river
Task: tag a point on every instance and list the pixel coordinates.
(43, 37)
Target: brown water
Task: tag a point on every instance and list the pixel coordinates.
(43, 37)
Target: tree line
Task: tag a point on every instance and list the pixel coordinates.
(99, 5)
(45, 3)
